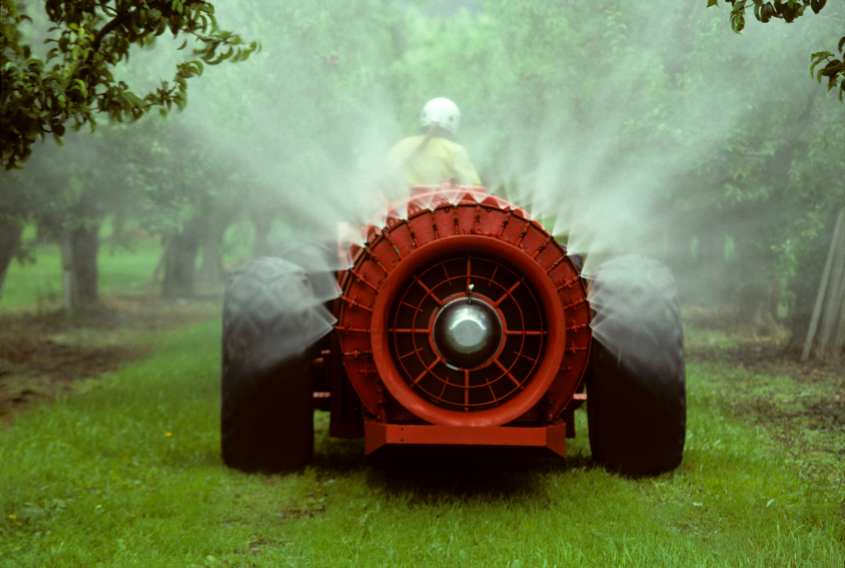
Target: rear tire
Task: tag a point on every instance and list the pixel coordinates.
(266, 418)
(318, 259)
(636, 396)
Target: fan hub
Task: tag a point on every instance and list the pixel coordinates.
(467, 332)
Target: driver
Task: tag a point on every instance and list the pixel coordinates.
(432, 156)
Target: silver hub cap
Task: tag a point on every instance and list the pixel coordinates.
(467, 332)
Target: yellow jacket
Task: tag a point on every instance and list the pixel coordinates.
(413, 161)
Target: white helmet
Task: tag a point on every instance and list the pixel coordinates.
(443, 112)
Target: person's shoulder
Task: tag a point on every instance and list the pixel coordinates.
(404, 147)
(409, 141)
(453, 146)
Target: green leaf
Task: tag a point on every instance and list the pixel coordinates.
(832, 68)
(738, 16)
(817, 58)
(817, 5)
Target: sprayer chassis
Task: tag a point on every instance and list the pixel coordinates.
(461, 323)
(391, 381)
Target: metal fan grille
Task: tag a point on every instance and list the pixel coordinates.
(495, 380)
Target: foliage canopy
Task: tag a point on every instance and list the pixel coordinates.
(88, 39)
(789, 11)
(577, 111)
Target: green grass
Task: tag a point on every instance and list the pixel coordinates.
(128, 270)
(129, 474)
(120, 270)
(36, 283)
(40, 283)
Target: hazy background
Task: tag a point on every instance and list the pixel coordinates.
(625, 127)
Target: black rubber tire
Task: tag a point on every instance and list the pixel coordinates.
(318, 259)
(636, 393)
(266, 417)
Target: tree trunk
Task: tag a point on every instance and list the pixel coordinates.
(263, 223)
(757, 292)
(804, 287)
(830, 300)
(711, 274)
(180, 258)
(211, 270)
(80, 247)
(10, 240)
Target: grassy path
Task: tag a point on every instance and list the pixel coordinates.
(40, 283)
(129, 474)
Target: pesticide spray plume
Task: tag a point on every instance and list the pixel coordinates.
(595, 164)
(599, 192)
(571, 179)
(595, 154)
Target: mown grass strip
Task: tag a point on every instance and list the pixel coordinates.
(40, 283)
(129, 474)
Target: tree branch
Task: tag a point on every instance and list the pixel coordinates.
(108, 28)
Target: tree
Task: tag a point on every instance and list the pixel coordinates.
(285, 140)
(69, 86)
(608, 124)
(789, 11)
(67, 191)
(75, 80)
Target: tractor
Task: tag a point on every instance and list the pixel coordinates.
(455, 321)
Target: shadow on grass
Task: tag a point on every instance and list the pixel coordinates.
(432, 474)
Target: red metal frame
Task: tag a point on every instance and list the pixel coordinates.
(378, 434)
